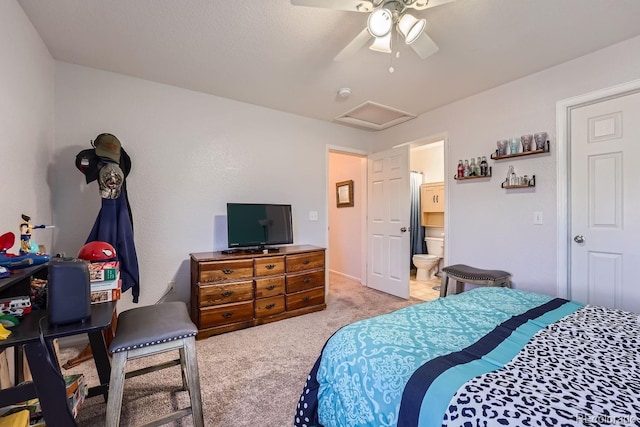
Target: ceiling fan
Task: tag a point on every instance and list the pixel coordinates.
(384, 15)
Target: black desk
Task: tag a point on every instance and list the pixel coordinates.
(19, 282)
(48, 384)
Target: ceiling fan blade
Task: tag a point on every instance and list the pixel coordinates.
(350, 5)
(424, 46)
(425, 4)
(354, 46)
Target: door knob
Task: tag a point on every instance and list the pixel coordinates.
(403, 229)
(579, 238)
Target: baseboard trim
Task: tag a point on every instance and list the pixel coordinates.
(339, 273)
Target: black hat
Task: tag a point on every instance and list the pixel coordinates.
(89, 163)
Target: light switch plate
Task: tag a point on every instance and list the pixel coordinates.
(537, 218)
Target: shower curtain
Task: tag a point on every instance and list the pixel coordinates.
(417, 231)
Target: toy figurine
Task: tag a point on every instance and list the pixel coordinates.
(26, 244)
(13, 261)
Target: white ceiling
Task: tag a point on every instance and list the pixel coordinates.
(274, 54)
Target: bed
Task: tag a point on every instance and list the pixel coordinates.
(486, 357)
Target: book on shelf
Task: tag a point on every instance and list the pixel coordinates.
(29, 413)
(72, 382)
(106, 285)
(105, 295)
(103, 271)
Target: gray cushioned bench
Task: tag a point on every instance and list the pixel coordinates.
(465, 274)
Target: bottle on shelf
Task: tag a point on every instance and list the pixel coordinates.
(472, 167)
(466, 168)
(460, 169)
(478, 167)
(484, 166)
(511, 176)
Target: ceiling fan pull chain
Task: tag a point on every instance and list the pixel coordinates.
(391, 69)
(397, 54)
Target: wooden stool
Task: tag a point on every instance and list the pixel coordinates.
(464, 274)
(150, 330)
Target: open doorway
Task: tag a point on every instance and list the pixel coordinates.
(346, 234)
(426, 162)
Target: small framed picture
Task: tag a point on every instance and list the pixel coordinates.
(344, 194)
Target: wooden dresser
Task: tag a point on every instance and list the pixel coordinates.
(244, 289)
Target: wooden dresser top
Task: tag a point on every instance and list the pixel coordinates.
(241, 253)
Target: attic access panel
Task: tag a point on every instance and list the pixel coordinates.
(371, 115)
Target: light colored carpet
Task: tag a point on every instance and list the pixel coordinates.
(251, 377)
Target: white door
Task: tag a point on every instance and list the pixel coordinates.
(605, 203)
(388, 222)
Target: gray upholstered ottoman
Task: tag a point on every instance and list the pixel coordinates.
(464, 274)
(150, 330)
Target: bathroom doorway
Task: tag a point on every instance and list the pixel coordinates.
(347, 227)
(426, 161)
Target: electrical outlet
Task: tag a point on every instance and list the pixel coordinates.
(172, 287)
(313, 215)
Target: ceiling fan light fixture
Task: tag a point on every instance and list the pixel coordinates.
(380, 22)
(410, 27)
(382, 44)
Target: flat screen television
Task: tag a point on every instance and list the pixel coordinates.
(258, 225)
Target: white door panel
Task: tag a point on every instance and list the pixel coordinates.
(605, 203)
(388, 215)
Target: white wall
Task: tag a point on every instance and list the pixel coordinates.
(428, 159)
(345, 231)
(26, 125)
(489, 227)
(191, 153)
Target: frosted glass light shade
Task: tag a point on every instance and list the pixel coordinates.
(380, 22)
(382, 44)
(410, 27)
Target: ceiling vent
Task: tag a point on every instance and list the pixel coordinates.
(374, 116)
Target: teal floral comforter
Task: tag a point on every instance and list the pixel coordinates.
(364, 367)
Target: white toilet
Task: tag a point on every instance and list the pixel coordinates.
(427, 264)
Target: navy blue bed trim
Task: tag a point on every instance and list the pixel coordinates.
(422, 378)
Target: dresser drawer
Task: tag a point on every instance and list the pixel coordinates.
(307, 261)
(269, 266)
(218, 271)
(305, 299)
(226, 314)
(269, 287)
(302, 281)
(269, 306)
(226, 293)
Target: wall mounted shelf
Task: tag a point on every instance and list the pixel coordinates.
(495, 156)
(532, 183)
(463, 178)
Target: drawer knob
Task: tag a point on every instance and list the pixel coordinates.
(306, 261)
(270, 306)
(227, 271)
(227, 315)
(307, 280)
(270, 266)
(227, 294)
(271, 287)
(306, 299)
